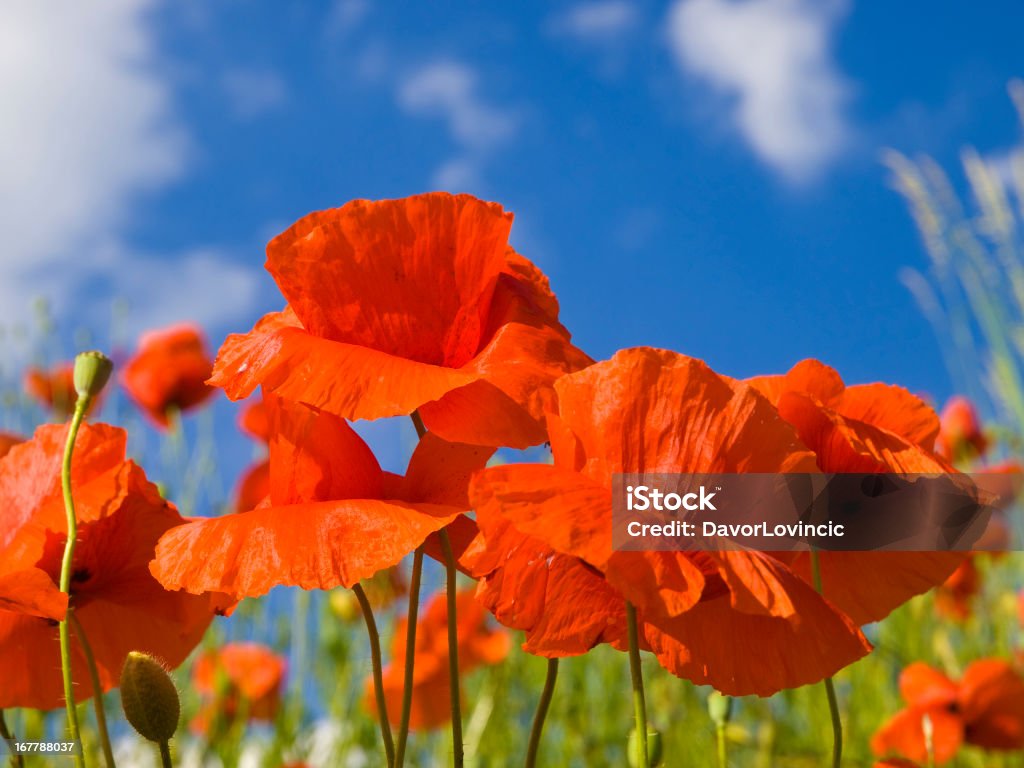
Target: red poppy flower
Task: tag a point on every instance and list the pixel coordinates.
(332, 517)
(254, 420)
(238, 677)
(169, 371)
(479, 645)
(737, 620)
(403, 305)
(960, 437)
(7, 441)
(985, 709)
(864, 428)
(120, 607)
(54, 389)
(954, 598)
(253, 487)
(896, 762)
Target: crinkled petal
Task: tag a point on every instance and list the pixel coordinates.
(314, 546)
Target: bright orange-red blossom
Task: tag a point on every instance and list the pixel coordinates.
(871, 428)
(120, 606)
(954, 598)
(234, 673)
(407, 305)
(332, 516)
(960, 437)
(741, 621)
(984, 708)
(478, 645)
(255, 421)
(54, 389)
(169, 372)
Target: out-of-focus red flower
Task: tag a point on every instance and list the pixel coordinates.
(255, 421)
(954, 598)
(54, 389)
(985, 709)
(238, 677)
(545, 555)
(119, 605)
(7, 441)
(169, 371)
(960, 437)
(896, 762)
(871, 428)
(332, 517)
(407, 305)
(479, 645)
(253, 487)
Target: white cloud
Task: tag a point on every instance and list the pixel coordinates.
(773, 60)
(449, 90)
(600, 21)
(345, 16)
(202, 286)
(251, 93)
(87, 126)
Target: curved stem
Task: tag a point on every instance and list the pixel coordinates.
(453, 649)
(65, 573)
(542, 712)
(378, 674)
(17, 760)
(165, 754)
(410, 654)
(830, 688)
(97, 689)
(410, 630)
(637, 676)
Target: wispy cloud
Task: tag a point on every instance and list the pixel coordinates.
(89, 127)
(772, 60)
(450, 91)
(251, 93)
(601, 21)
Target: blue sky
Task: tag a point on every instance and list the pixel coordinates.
(702, 175)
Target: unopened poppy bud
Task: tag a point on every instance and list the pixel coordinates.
(92, 371)
(653, 749)
(719, 707)
(149, 698)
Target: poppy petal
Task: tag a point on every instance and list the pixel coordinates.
(749, 653)
(904, 734)
(564, 606)
(565, 510)
(314, 546)
(351, 381)
(992, 703)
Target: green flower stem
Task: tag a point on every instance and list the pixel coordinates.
(17, 760)
(542, 712)
(453, 650)
(410, 654)
(97, 689)
(410, 631)
(65, 574)
(165, 754)
(378, 674)
(637, 676)
(830, 688)
(723, 751)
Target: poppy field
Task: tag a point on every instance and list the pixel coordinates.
(471, 610)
